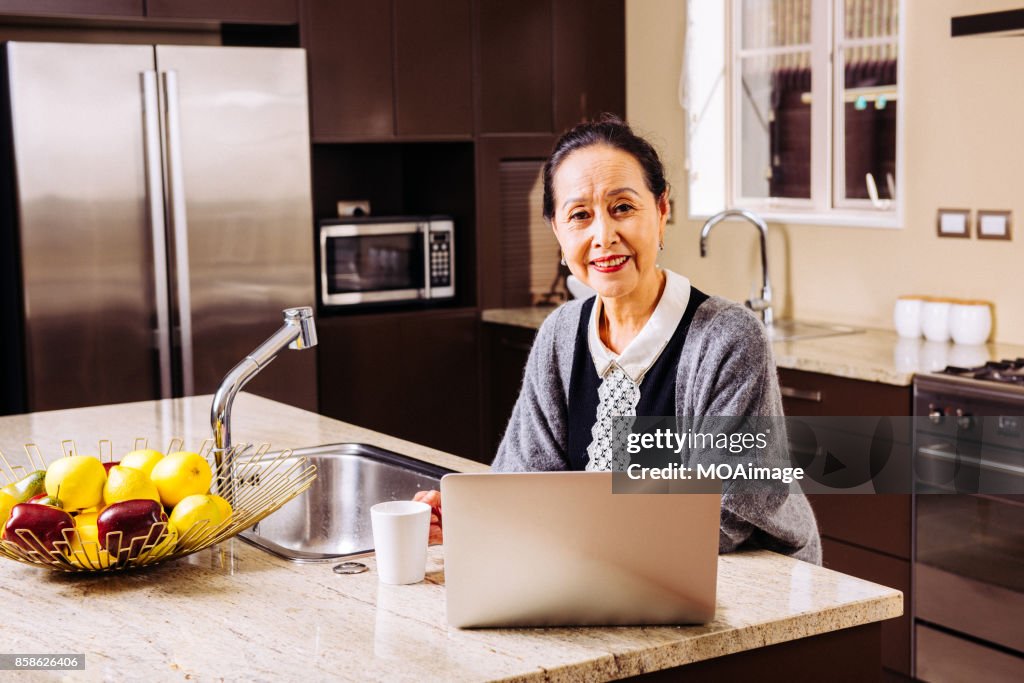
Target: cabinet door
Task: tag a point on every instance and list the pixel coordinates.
(350, 69)
(589, 60)
(515, 74)
(410, 375)
(237, 11)
(506, 349)
(433, 67)
(120, 8)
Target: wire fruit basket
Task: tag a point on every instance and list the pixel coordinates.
(262, 483)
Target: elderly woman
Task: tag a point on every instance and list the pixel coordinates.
(649, 343)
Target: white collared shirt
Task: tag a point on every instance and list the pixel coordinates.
(641, 353)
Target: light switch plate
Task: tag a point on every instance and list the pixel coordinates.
(954, 223)
(993, 225)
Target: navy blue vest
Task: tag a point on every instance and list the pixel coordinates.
(657, 390)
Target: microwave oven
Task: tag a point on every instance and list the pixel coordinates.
(372, 259)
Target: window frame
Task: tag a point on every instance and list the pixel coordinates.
(827, 136)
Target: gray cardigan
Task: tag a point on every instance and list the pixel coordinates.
(726, 369)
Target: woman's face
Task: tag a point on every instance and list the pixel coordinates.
(607, 222)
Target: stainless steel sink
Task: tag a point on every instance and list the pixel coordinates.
(791, 330)
(331, 519)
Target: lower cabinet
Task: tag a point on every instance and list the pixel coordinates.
(505, 350)
(413, 375)
(867, 536)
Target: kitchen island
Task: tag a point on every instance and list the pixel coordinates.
(235, 612)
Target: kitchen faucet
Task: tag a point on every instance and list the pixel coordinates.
(763, 304)
(299, 332)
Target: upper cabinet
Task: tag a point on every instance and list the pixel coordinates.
(106, 8)
(232, 11)
(548, 64)
(229, 11)
(382, 70)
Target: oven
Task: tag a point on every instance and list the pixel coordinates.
(969, 523)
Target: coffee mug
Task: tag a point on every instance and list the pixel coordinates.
(935, 320)
(970, 322)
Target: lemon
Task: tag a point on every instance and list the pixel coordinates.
(80, 479)
(91, 557)
(167, 543)
(85, 550)
(181, 474)
(7, 501)
(125, 483)
(222, 505)
(196, 509)
(142, 460)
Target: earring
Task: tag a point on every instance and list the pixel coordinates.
(562, 261)
(661, 246)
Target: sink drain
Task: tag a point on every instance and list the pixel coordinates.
(350, 568)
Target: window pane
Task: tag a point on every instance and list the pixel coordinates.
(869, 109)
(870, 18)
(776, 23)
(775, 126)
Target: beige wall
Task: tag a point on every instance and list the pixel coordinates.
(964, 146)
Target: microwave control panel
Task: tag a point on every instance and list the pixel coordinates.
(441, 259)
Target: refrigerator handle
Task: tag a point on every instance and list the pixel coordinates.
(179, 226)
(155, 207)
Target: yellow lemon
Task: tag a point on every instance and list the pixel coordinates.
(7, 501)
(181, 474)
(193, 510)
(222, 505)
(91, 557)
(80, 479)
(142, 460)
(125, 483)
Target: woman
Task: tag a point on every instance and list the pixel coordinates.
(648, 344)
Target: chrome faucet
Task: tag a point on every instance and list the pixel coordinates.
(763, 304)
(299, 332)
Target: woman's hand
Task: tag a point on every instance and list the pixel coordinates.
(433, 499)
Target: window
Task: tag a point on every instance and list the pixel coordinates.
(793, 109)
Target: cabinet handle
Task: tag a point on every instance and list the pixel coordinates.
(812, 395)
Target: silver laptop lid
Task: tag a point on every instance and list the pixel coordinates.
(559, 549)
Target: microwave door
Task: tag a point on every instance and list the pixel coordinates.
(372, 263)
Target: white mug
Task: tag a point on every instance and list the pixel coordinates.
(400, 530)
(970, 323)
(935, 320)
(906, 316)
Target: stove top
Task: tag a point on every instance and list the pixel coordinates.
(1003, 371)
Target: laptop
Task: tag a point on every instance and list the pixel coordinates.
(560, 549)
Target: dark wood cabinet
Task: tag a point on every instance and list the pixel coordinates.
(867, 536)
(85, 8)
(350, 69)
(515, 64)
(433, 68)
(389, 70)
(233, 11)
(589, 60)
(414, 375)
(505, 351)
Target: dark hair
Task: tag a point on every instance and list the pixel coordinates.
(608, 129)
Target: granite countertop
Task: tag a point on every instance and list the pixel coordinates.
(236, 612)
(872, 355)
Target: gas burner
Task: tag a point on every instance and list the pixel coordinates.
(1004, 371)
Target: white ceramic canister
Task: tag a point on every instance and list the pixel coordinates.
(906, 316)
(970, 322)
(935, 319)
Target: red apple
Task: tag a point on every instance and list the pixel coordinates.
(45, 522)
(135, 519)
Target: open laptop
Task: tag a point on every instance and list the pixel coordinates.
(560, 549)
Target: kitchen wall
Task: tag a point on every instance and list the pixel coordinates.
(964, 147)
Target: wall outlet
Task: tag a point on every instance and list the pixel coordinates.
(993, 225)
(954, 223)
(353, 207)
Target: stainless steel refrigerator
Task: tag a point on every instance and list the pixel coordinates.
(156, 219)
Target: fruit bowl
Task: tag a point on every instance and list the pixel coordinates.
(262, 483)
